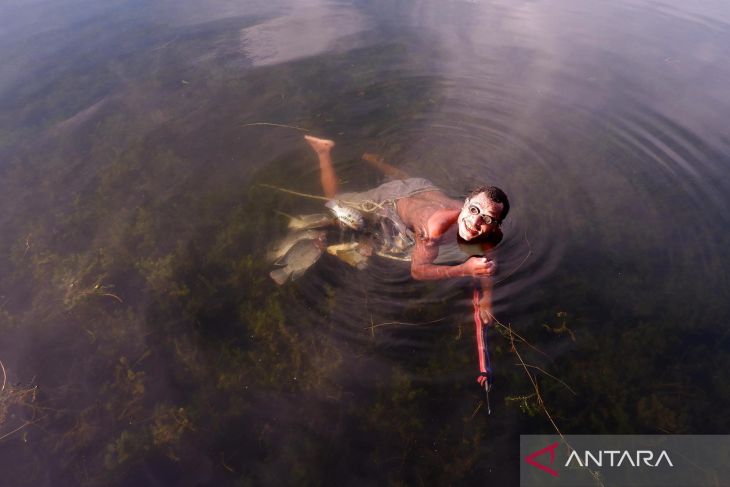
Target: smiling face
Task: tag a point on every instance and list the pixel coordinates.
(479, 216)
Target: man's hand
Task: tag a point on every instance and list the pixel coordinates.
(480, 267)
(485, 313)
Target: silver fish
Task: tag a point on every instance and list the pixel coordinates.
(300, 257)
(283, 246)
(349, 217)
(356, 254)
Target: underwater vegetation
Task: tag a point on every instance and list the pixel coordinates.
(140, 329)
(143, 342)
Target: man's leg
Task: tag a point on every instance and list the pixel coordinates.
(378, 163)
(326, 172)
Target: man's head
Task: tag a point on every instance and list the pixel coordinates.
(484, 210)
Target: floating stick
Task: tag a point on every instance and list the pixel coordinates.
(269, 124)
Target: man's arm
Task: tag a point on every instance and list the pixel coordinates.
(485, 303)
(423, 268)
(486, 283)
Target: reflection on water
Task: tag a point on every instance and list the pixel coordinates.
(143, 342)
(306, 30)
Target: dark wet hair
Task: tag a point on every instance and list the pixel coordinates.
(495, 194)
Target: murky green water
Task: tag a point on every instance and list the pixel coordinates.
(142, 340)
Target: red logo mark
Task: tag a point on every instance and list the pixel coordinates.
(551, 449)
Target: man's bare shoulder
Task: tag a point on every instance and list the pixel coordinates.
(441, 221)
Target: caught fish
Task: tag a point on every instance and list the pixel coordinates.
(355, 254)
(302, 255)
(305, 222)
(349, 217)
(288, 242)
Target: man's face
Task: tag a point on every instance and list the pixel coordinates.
(472, 222)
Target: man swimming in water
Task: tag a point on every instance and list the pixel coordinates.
(434, 219)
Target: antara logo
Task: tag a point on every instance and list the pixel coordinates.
(548, 449)
(601, 458)
(639, 456)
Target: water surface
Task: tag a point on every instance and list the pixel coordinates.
(142, 340)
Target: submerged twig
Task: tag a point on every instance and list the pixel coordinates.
(269, 124)
(112, 296)
(5, 376)
(223, 463)
(403, 323)
(511, 333)
(537, 395)
(165, 44)
(537, 389)
(476, 410)
(551, 376)
(17, 397)
(16, 429)
(93, 293)
(27, 245)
